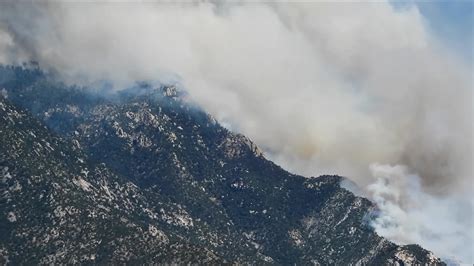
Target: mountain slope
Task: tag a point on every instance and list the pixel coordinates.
(58, 208)
(176, 173)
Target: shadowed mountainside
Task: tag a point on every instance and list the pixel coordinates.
(144, 175)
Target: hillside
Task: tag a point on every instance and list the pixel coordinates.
(143, 175)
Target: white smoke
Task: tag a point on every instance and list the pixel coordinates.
(407, 214)
(322, 87)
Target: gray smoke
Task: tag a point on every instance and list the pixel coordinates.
(322, 87)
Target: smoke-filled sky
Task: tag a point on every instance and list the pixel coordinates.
(375, 91)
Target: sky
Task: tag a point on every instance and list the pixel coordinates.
(379, 92)
(453, 22)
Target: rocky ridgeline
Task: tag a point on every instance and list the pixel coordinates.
(145, 176)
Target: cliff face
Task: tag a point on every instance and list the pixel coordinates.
(145, 176)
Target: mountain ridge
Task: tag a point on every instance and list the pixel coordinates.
(196, 183)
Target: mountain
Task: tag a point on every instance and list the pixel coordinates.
(144, 175)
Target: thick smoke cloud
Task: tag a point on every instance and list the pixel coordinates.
(322, 88)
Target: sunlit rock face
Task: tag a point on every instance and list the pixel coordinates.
(145, 176)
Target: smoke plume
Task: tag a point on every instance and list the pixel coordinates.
(322, 87)
(410, 215)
